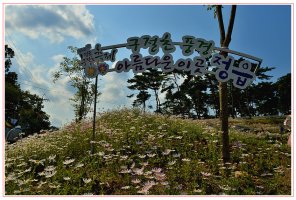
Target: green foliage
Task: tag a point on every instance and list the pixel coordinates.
(213, 7)
(148, 80)
(137, 153)
(283, 90)
(32, 118)
(84, 96)
(22, 105)
(198, 97)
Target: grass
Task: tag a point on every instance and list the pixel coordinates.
(138, 153)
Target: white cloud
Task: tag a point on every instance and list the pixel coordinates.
(38, 80)
(54, 22)
(58, 58)
(114, 90)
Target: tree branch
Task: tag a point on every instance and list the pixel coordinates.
(221, 24)
(230, 26)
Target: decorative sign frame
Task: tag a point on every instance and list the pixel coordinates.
(93, 60)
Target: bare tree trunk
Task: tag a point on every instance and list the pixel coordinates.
(224, 121)
(224, 42)
(157, 101)
(213, 94)
(233, 114)
(175, 81)
(82, 103)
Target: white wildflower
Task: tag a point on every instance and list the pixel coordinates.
(186, 160)
(67, 178)
(176, 155)
(123, 157)
(41, 173)
(149, 183)
(125, 171)
(142, 156)
(148, 173)
(151, 155)
(49, 174)
(206, 174)
(167, 152)
(52, 157)
(50, 168)
(159, 176)
(136, 181)
(164, 183)
(68, 162)
(172, 162)
(54, 186)
(144, 190)
(132, 165)
(37, 162)
(78, 165)
(197, 190)
(22, 164)
(138, 171)
(144, 164)
(11, 177)
(41, 183)
(28, 170)
(126, 187)
(156, 170)
(86, 180)
(225, 187)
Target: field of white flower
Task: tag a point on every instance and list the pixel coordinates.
(148, 154)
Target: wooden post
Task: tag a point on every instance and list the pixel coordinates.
(94, 118)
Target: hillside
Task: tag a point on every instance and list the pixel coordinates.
(138, 153)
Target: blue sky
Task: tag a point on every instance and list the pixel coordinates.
(40, 35)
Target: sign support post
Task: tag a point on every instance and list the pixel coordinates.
(94, 117)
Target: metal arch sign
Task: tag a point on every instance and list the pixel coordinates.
(93, 60)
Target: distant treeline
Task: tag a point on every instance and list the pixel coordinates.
(198, 96)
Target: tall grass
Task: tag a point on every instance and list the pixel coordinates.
(137, 153)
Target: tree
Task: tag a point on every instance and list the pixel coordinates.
(283, 90)
(32, 118)
(213, 100)
(150, 79)
(142, 97)
(265, 99)
(12, 88)
(138, 82)
(176, 101)
(84, 96)
(195, 89)
(20, 105)
(225, 40)
(154, 82)
(244, 101)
